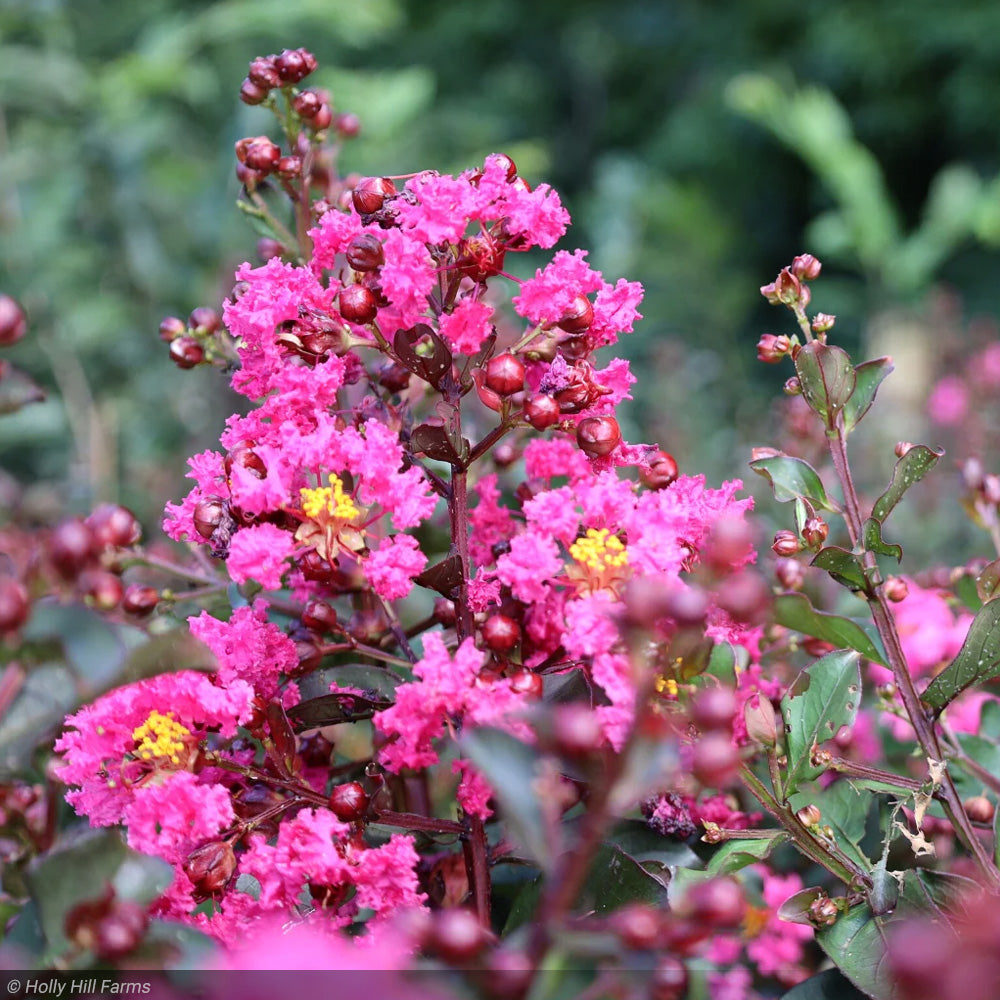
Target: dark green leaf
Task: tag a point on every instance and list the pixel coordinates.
(332, 709)
(988, 581)
(722, 663)
(639, 841)
(166, 654)
(615, 879)
(977, 660)
(910, 469)
(511, 768)
(871, 534)
(870, 375)
(966, 592)
(733, 855)
(791, 478)
(46, 697)
(525, 905)
(823, 698)
(845, 810)
(827, 378)
(795, 909)
(375, 682)
(845, 567)
(795, 612)
(828, 985)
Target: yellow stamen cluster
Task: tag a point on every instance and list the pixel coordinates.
(330, 500)
(599, 550)
(667, 686)
(161, 736)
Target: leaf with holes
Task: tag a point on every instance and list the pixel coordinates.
(869, 375)
(977, 660)
(823, 698)
(827, 378)
(421, 351)
(791, 478)
(845, 567)
(795, 612)
(910, 469)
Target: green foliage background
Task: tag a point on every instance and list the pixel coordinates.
(117, 123)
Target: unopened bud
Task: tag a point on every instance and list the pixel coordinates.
(793, 387)
(771, 349)
(786, 543)
(823, 912)
(809, 815)
(761, 721)
(896, 589)
(210, 867)
(806, 267)
(814, 531)
(787, 287)
(790, 573)
(823, 322)
(979, 809)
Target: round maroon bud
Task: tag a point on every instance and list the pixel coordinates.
(502, 159)
(102, 588)
(444, 612)
(771, 349)
(528, 683)
(979, 809)
(186, 352)
(322, 119)
(71, 547)
(786, 543)
(349, 802)
(121, 930)
(205, 319)
(252, 93)
(715, 762)
(357, 304)
(761, 721)
(806, 267)
(309, 653)
(578, 317)
(394, 377)
(140, 600)
(319, 616)
(369, 194)
(365, 252)
(504, 454)
(637, 925)
(13, 325)
(15, 604)
(729, 544)
(114, 526)
(268, 248)
(542, 411)
(208, 514)
(823, 912)
(822, 322)
(262, 155)
(293, 65)
(814, 531)
(500, 633)
(719, 903)
(243, 455)
(456, 936)
(210, 867)
(598, 436)
(347, 124)
(896, 589)
(817, 647)
(713, 709)
(315, 567)
(809, 815)
(289, 167)
(263, 73)
(662, 471)
(171, 327)
(307, 104)
(247, 177)
(669, 980)
(746, 596)
(505, 374)
(576, 730)
(790, 573)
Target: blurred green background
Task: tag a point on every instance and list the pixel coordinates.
(698, 145)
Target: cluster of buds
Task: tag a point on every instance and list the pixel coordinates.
(791, 287)
(200, 340)
(270, 72)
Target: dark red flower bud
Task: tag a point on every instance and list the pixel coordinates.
(505, 374)
(349, 802)
(307, 104)
(638, 925)
(204, 319)
(787, 287)
(186, 352)
(140, 600)
(15, 604)
(713, 709)
(806, 267)
(121, 931)
(576, 730)
(896, 589)
(814, 531)
(715, 762)
(210, 867)
(102, 588)
(208, 514)
(817, 647)
(746, 596)
(598, 436)
(262, 155)
(720, 903)
(444, 611)
(578, 317)
(252, 93)
(114, 526)
(369, 194)
(243, 455)
(357, 304)
(786, 543)
(294, 65)
(790, 573)
(542, 411)
(500, 633)
(456, 936)
(979, 809)
(527, 683)
(289, 167)
(505, 454)
(319, 616)
(13, 325)
(365, 252)
(347, 124)
(268, 248)
(505, 161)
(322, 119)
(771, 349)
(71, 547)
(171, 327)
(669, 980)
(263, 73)
(662, 471)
